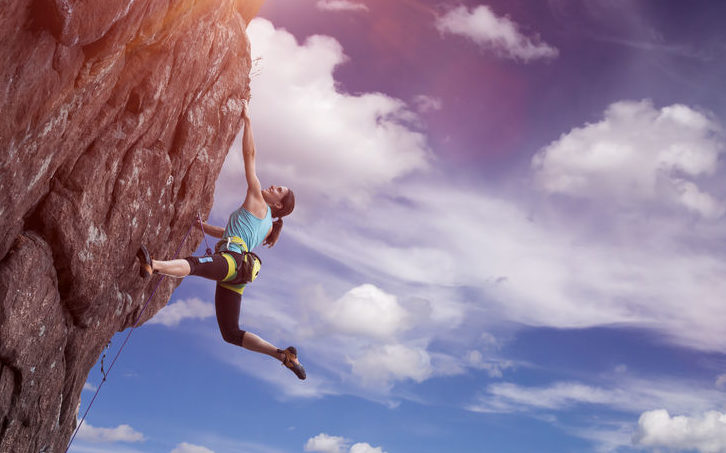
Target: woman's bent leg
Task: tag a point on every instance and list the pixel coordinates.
(227, 304)
(257, 344)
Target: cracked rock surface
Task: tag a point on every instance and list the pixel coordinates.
(116, 118)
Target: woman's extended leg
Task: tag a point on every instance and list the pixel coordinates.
(175, 268)
(227, 304)
(211, 267)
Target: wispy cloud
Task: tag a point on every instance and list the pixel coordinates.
(341, 5)
(507, 397)
(174, 313)
(489, 31)
(624, 24)
(426, 104)
(627, 395)
(186, 447)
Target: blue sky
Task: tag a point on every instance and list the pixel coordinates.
(508, 237)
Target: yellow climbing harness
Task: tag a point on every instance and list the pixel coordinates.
(239, 273)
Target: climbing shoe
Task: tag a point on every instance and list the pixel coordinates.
(145, 270)
(291, 362)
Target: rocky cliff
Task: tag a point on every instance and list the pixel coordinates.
(115, 119)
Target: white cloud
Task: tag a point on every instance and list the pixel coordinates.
(306, 129)
(493, 367)
(341, 5)
(173, 314)
(637, 153)
(380, 366)
(121, 433)
(500, 34)
(706, 433)
(627, 395)
(323, 443)
(507, 397)
(607, 436)
(185, 447)
(362, 447)
(366, 310)
(89, 387)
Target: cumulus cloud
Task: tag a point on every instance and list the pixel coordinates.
(89, 387)
(366, 337)
(362, 447)
(341, 5)
(705, 433)
(366, 310)
(637, 153)
(308, 130)
(323, 443)
(121, 433)
(173, 314)
(185, 447)
(380, 366)
(490, 31)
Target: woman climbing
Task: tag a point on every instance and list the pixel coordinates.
(233, 265)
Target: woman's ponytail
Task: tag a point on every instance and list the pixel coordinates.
(288, 204)
(274, 234)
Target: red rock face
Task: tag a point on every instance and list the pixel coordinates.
(116, 118)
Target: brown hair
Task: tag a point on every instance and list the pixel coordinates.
(288, 204)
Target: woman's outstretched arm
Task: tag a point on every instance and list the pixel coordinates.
(213, 231)
(254, 202)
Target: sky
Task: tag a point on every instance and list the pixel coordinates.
(508, 237)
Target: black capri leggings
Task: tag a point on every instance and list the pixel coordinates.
(226, 302)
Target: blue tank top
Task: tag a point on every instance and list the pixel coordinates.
(243, 224)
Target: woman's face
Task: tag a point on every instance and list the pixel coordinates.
(273, 195)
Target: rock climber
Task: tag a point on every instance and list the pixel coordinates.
(233, 264)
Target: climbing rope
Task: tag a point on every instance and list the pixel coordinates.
(201, 225)
(103, 357)
(136, 323)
